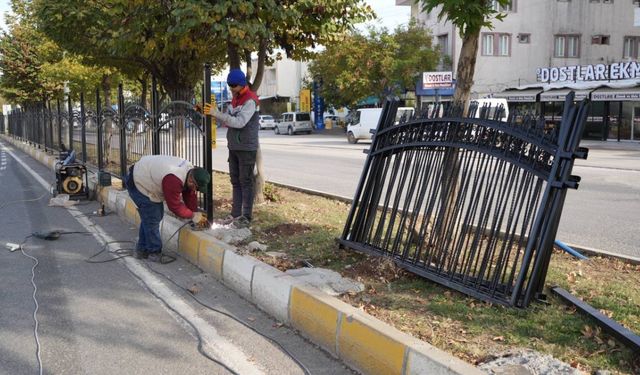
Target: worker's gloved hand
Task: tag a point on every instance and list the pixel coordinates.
(210, 109)
(199, 219)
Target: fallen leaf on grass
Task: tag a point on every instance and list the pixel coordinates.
(587, 332)
(607, 313)
(498, 338)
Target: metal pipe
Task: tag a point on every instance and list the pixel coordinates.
(569, 250)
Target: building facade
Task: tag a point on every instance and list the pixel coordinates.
(281, 84)
(545, 48)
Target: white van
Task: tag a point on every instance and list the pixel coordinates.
(366, 119)
(492, 104)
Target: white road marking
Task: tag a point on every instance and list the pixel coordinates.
(222, 349)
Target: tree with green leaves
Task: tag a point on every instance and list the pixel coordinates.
(173, 39)
(34, 67)
(378, 63)
(469, 16)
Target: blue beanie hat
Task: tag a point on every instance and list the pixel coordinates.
(236, 77)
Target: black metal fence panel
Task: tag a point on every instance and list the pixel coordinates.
(111, 138)
(470, 202)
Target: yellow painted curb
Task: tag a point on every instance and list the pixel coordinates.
(368, 348)
(188, 244)
(131, 212)
(211, 257)
(312, 312)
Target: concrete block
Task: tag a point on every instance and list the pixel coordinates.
(271, 290)
(169, 227)
(189, 244)
(423, 358)
(370, 345)
(211, 255)
(237, 272)
(315, 315)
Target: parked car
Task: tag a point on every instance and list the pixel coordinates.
(266, 122)
(294, 122)
(366, 119)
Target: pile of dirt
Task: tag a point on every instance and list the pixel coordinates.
(379, 268)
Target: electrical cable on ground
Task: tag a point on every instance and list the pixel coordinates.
(23, 200)
(282, 348)
(198, 335)
(35, 301)
(121, 252)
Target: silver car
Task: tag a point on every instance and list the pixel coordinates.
(294, 122)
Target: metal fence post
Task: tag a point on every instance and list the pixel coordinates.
(155, 139)
(99, 131)
(50, 115)
(123, 135)
(70, 123)
(208, 157)
(59, 116)
(83, 129)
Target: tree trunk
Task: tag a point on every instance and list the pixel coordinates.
(466, 69)
(451, 166)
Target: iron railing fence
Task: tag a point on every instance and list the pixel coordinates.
(472, 203)
(112, 138)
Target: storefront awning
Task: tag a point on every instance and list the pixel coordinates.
(609, 94)
(529, 95)
(560, 95)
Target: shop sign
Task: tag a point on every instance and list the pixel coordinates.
(432, 80)
(607, 96)
(597, 72)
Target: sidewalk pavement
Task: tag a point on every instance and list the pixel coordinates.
(360, 340)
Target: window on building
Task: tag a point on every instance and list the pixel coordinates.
(496, 44)
(630, 47)
(526, 38)
(600, 39)
(567, 46)
(443, 43)
(495, 5)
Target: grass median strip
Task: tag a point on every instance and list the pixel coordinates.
(305, 227)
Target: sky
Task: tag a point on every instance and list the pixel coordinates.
(5, 6)
(388, 13)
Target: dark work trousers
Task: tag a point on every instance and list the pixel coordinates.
(241, 165)
(149, 240)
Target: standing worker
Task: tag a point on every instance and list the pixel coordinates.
(242, 141)
(157, 178)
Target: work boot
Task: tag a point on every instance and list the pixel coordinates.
(228, 220)
(139, 254)
(241, 222)
(155, 257)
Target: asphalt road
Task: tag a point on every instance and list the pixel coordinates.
(602, 214)
(122, 316)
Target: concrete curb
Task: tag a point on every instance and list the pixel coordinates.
(360, 340)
